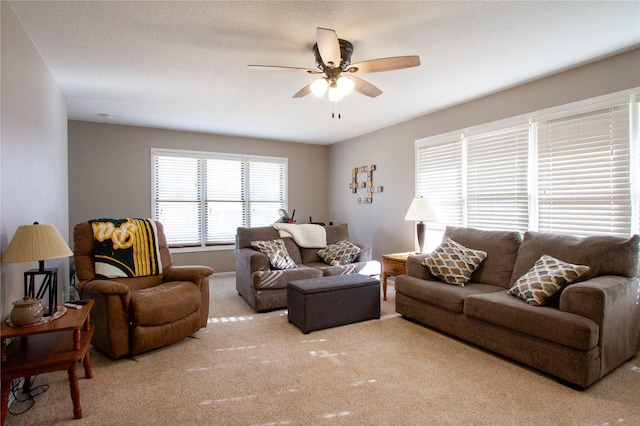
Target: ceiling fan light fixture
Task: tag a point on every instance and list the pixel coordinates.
(345, 85)
(333, 57)
(319, 87)
(334, 94)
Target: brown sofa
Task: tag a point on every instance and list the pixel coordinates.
(265, 288)
(135, 315)
(592, 327)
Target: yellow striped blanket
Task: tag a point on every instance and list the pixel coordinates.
(125, 248)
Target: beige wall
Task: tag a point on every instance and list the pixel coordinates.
(110, 174)
(392, 149)
(33, 152)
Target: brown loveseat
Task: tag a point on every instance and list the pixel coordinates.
(592, 326)
(135, 315)
(265, 288)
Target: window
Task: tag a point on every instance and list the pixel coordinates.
(440, 178)
(583, 173)
(497, 165)
(202, 198)
(573, 173)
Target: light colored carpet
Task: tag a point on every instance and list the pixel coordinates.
(257, 369)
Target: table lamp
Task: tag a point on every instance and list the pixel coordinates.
(421, 211)
(38, 243)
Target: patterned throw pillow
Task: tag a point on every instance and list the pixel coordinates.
(453, 263)
(340, 253)
(544, 279)
(276, 252)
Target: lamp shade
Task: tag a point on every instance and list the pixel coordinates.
(35, 243)
(421, 210)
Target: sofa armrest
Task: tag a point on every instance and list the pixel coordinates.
(110, 314)
(612, 302)
(248, 261)
(415, 268)
(251, 260)
(107, 287)
(199, 275)
(366, 253)
(104, 289)
(192, 273)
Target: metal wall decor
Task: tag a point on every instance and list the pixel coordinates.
(368, 184)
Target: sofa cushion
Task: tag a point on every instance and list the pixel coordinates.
(604, 255)
(544, 279)
(340, 253)
(448, 297)
(543, 322)
(501, 248)
(277, 253)
(164, 304)
(278, 279)
(453, 263)
(244, 236)
(337, 232)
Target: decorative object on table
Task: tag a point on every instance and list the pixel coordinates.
(38, 242)
(284, 216)
(421, 210)
(26, 311)
(43, 320)
(368, 184)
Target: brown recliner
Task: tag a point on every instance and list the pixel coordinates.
(135, 315)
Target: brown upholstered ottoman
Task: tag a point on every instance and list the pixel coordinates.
(318, 303)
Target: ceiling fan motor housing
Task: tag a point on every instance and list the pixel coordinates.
(346, 49)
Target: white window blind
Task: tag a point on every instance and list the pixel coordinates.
(497, 194)
(440, 173)
(583, 173)
(267, 186)
(225, 188)
(574, 171)
(177, 198)
(202, 198)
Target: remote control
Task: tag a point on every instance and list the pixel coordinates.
(72, 305)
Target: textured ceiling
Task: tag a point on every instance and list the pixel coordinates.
(183, 65)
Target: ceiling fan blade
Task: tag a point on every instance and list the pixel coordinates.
(328, 46)
(279, 68)
(303, 92)
(385, 64)
(365, 88)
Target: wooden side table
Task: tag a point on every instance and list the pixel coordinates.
(393, 264)
(52, 346)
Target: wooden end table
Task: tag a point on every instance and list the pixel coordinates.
(393, 264)
(44, 348)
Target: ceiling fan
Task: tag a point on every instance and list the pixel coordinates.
(333, 59)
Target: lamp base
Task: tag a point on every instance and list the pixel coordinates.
(49, 284)
(421, 230)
